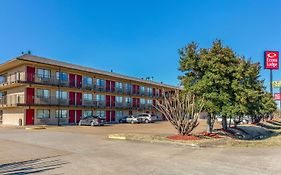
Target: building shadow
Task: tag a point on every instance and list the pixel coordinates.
(32, 166)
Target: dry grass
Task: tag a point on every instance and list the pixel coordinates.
(272, 140)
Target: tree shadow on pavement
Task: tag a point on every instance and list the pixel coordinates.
(249, 132)
(269, 126)
(275, 123)
(32, 166)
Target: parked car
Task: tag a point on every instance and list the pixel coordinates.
(92, 121)
(130, 119)
(146, 117)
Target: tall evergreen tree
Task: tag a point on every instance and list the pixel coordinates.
(228, 83)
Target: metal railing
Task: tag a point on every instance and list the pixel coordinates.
(24, 77)
(11, 100)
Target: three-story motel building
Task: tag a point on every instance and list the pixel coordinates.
(36, 91)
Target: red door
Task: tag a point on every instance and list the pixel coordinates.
(30, 74)
(138, 89)
(134, 89)
(29, 117)
(78, 81)
(107, 85)
(107, 100)
(78, 98)
(112, 101)
(154, 102)
(71, 116)
(107, 116)
(134, 102)
(138, 102)
(71, 80)
(112, 119)
(71, 98)
(112, 86)
(153, 92)
(78, 115)
(29, 95)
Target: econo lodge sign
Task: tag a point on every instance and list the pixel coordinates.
(271, 59)
(277, 96)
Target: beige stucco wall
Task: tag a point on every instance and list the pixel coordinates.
(12, 116)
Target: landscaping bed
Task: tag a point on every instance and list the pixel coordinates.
(242, 136)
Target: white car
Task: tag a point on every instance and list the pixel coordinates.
(129, 119)
(146, 117)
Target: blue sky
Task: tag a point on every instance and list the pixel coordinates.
(138, 38)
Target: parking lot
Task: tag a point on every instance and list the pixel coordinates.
(86, 150)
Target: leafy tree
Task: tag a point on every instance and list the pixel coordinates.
(209, 74)
(229, 84)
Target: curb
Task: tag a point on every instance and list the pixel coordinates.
(117, 137)
(124, 137)
(35, 128)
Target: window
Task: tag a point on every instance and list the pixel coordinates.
(128, 100)
(149, 90)
(119, 114)
(2, 79)
(62, 76)
(142, 101)
(43, 73)
(119, 99)
(43, 113)
(128, 87)
(43, 93)
(100, 82)
(118, 85)
(100, 114)
(149, 102)
(61, 95)
(87, 113)
(142, 89)
(100, 97)
(61, 113)
(88, 97)
(87, 81)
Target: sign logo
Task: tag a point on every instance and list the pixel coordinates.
(276, 84)
(271, 59)
(277, 96)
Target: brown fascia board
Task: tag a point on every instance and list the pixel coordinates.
(42, 60)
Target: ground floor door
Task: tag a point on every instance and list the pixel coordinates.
(78, 115)
(71, 116)
(29, 117)
(107, 116)
(1, 117)
(110, 116)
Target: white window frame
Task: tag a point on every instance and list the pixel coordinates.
(45, 93)
(60, 95)
(88, 97)
(46, 73)
(45, 113)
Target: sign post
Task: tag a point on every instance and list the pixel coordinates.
(277, 97)
(271, 62)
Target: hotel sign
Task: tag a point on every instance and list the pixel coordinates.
(277, 96)
(271, 60)
(276, 84)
